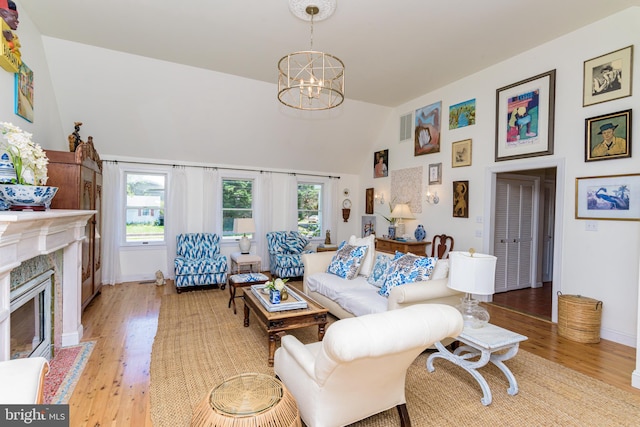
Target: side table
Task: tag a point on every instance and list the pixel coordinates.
(239, 260)
(483, 342)
(242, 280)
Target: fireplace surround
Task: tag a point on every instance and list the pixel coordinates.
(25, 235)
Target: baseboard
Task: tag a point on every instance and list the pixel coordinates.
(609, 335)
(635, 379)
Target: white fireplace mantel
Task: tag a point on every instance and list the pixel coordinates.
(24, 235)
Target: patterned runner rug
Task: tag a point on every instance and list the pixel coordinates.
(64, 373)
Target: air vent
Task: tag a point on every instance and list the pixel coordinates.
(406, 125)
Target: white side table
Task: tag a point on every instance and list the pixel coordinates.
(238, 260)
(483, 342)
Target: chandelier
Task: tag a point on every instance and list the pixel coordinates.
(311, 80)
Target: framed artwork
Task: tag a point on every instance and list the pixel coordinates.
(381, 164)
(608, 77)
(460, 199)
(524, 118)
(461, 153)
(369, 201)
(462, 114)
(615, 197)
(435, 173)
(24, 93)
(368, 225)
(427, 130)
(608, 136)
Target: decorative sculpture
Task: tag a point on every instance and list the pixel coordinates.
(327, 239)
(74, 138)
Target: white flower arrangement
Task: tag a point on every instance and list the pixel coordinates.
(277, 284)
(28, 158)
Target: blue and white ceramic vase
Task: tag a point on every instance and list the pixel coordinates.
(420, 233)
(274, 296)
(7, 171)
(392, 232)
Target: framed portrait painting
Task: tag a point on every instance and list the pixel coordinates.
(524, 118)
(608, 136)
(381, 164)
(615, 197)
(427, 130)
(608, 77)
(461, 153)
(24, 93)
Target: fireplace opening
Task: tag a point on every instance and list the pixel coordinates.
(31, 318)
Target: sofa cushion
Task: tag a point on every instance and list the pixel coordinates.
(441, 270)
(379, 271)
(369, 259)
(347, 260)
(407, 269)
(355, 296)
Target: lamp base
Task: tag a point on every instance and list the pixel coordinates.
(245, 245)
(474, 315)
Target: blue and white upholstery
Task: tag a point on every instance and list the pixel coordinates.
(285, 253)
(198, 261)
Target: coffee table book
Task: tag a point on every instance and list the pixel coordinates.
(295, 303)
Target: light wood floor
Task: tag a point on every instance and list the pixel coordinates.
(114, 388)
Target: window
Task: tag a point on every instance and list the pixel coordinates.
(237, 202)
(310, 209)
(145, 207)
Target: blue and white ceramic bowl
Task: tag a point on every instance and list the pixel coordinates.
(36, 196)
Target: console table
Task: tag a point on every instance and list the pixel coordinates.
(391, 246)
(482, 342)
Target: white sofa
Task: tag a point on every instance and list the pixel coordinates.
(348, 298)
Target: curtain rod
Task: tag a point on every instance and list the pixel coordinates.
(221, 167)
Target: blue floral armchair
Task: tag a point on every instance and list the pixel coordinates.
(285, 253)
(198, 261)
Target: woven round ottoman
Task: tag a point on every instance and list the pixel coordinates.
(248, 400)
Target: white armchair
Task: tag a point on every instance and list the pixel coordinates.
(359, 369)
(22, 380)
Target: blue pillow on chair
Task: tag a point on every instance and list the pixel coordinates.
(294, 243)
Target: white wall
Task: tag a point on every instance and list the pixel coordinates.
(602, 264)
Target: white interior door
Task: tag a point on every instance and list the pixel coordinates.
(516, 219)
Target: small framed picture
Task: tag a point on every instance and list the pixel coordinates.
(608, 77)
(368, 201)
(608, 136)
(435, 173)
(615, 197)
(368, 225)
(461, 199)
(381, 164)
(461, 153)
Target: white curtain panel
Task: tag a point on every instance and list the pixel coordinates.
(331, 207)
(111, 223)
(291, 203)
(212, 205)
(263, 215)
(175, 213)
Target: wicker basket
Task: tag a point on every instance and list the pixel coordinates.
(579, 318)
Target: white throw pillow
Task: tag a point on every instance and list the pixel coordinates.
(370, 257)
(441, 271)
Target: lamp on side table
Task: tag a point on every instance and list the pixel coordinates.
(244, 226)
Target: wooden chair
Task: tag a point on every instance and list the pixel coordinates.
(441, 246)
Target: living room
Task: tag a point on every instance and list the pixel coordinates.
(140, 109)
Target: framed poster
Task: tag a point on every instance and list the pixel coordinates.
(435, 173)
(615, 197)
(368, 201)
(381, 164)
(461, 153)
(368, 225)
(608, 77)
(24, 93)
(460, 199)
(427, 130)
(462, 114)
(524, 118)
(608, 136)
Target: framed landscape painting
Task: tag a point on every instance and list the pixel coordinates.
(462, 114)
(608, 136)
(24, 93)
(608, 77)
(615, 197)
(524, 118)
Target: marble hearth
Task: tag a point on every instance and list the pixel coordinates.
(25, 235)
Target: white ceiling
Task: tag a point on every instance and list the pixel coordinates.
(394, 51)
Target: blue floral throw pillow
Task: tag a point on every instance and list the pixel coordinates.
(379, 271)
(346, 262)
(408, 268)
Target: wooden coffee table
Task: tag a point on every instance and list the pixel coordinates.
(277, 323)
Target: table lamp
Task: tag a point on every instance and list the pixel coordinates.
(244, 226)
(400, 212)
(472, 273)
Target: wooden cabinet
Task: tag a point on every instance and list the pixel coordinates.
(391, 246)
(78, 176)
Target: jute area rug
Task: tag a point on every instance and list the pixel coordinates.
(200, 342)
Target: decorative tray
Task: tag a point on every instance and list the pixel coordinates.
(292, 303)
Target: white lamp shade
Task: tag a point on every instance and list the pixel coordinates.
(244, 226)
(472, 273)
(402, 211)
